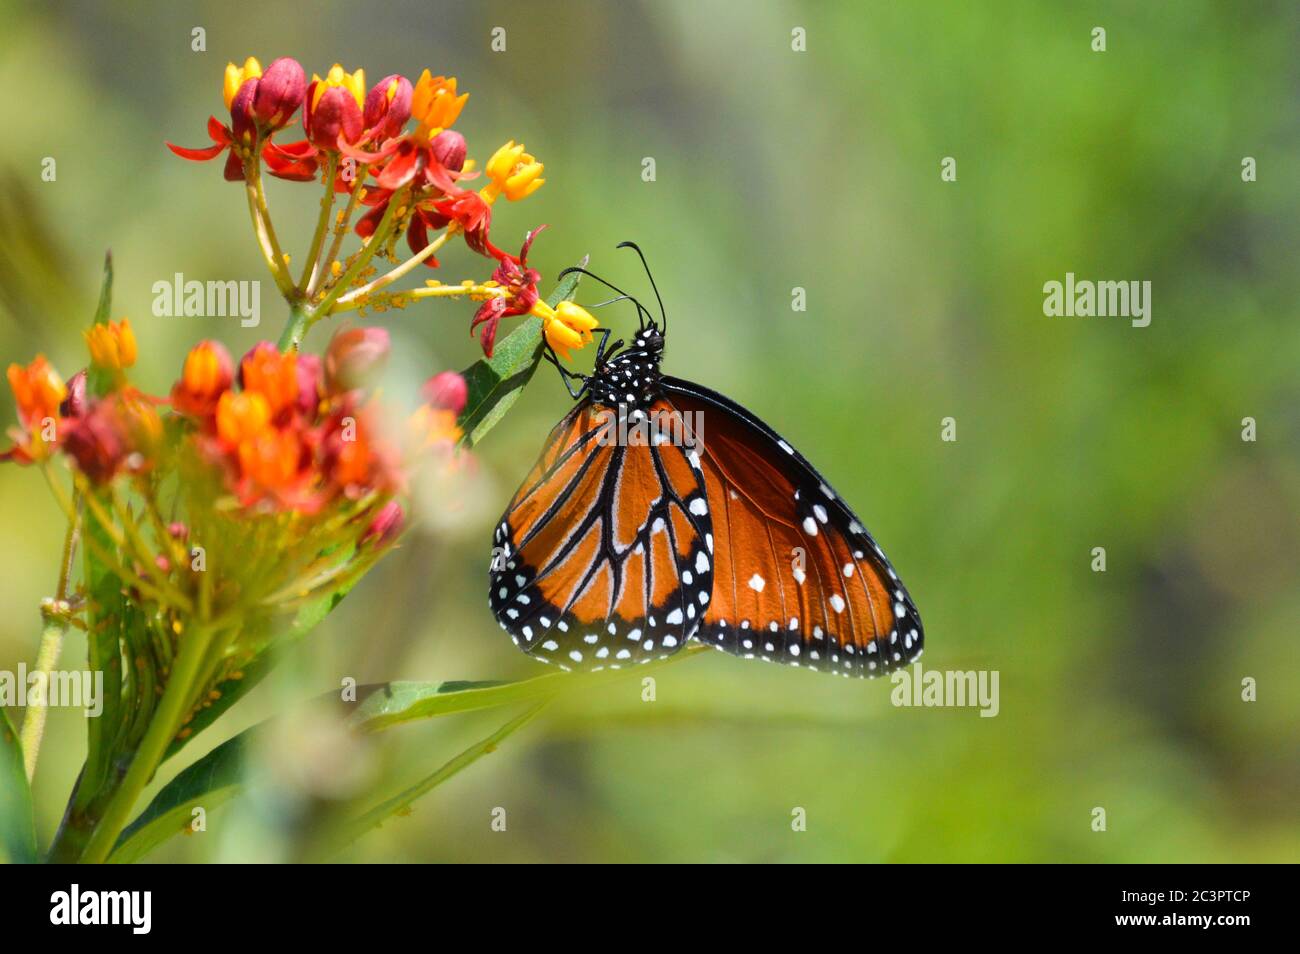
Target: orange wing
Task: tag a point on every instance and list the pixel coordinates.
(797, 578)
(602, 557)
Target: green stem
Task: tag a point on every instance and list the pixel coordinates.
(341, 228)
(376, 242)
(55, 617)
(299, 320)
(322, 225)
(162, 729)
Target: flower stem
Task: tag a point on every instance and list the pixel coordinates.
(55, 615)
(166, 722)
(299, 319)
(375, 243)
(309, 268)
(340, 229)
(262, 226)
(353, 298)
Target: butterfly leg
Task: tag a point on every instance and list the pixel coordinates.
(565, 374)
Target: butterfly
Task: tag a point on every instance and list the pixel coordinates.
(662, 512)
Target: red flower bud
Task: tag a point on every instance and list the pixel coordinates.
(446, 391)
(354, 357)
(386, 525)
(74, 405)
(388, 107)
(449, 148)
(279, 93)
(335, 112)
(309, 384)
(243, 122)
(207, 374)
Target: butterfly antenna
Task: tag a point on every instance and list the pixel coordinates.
(646, 265)
(640, 308)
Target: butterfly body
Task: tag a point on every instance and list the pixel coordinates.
(661, 512)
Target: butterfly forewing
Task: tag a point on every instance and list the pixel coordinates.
(602, 557)
(797, 578)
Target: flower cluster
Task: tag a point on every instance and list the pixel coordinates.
(283, 431)
(248, 492)
(390, 149)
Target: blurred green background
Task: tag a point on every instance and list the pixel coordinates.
(777, 169)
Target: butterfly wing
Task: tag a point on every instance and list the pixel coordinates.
(601, 558)
(797, 578)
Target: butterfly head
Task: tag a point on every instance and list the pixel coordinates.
(629, 376)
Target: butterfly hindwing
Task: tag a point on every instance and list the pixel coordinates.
(797, 578)
(602, 559)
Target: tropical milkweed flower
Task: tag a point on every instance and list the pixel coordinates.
(206, 376)
(514, 172)
(566, 326)
(112, 345)
(260, 104)
(38, 391)
(332, 112)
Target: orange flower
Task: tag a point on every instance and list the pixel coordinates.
(435, 105)
(112, 345)
(242, 416)
(207, 375)
(38, 392)
(271, 374)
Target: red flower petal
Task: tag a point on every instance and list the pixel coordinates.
(198, 155)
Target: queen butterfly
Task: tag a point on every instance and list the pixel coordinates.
(661, 511)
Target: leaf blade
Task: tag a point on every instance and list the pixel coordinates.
(17, 820)
(494, 384)
(212, 780)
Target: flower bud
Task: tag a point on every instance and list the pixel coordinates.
(309, 385)
(272, 374)
(112, 345)
(388, 107)
(446, 391)
(334, 106)
(242, 416)
(74, 405)
(207, 374)
(354, 358)
(237, 76)
(279, 93)
(385, 526)
(448, 147)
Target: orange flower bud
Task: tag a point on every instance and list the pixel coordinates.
(241, 416)
(112, 345)
(354, 358)
(271, 374)
(207, 375)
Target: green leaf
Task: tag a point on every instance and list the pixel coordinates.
(494, 383)
(17, 823)
(385, 705)
(105, 291)
(400, 803)
(214, 779)
(98, 381)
